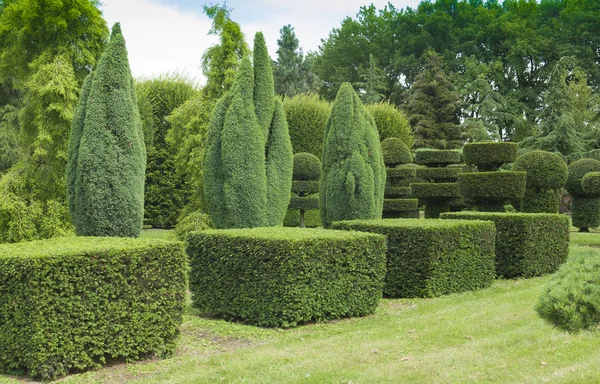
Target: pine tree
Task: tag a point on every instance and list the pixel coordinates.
(353, 179)
(107, 154)
(373, 82)
(433, 107)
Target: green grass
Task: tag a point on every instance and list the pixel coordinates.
(489, 336)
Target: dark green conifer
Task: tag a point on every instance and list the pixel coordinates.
(353, 179)
(107, 156)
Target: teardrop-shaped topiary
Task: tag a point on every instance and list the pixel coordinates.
(395, 152)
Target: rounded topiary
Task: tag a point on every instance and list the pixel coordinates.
(489, 156)
(391, 122)
(545, 170)
(577, 170)
(395, 152)
(437, 157)
(307, 116)
(306, 167)
(591, 184)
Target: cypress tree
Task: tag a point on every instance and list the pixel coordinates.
(353, 179)
(264, 89)
(107, 156)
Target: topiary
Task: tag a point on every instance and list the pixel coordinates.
(395, 152)
(591, 184)
(489, 156)
(391, 122)
(577, 171)
(307, 116)
(436, 157)
(307, 171)
(585, 209)
(306, 167)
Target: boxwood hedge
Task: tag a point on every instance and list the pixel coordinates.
(428, 258)
(70, 304)
(282, 277)
(527, 244)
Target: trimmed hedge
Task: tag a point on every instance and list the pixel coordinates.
(68, 304)
(437, 157)
(429, 258)
(281, 277)
(306, 167)
(304, 203)
(545, 170)
(571, 300)
(391, 122)
(577, 171)
(305, 187)
(527, 244)
(396, 192)
(307, 116)
(547, 201)
(400, 173)
(500, 186)
(395, 152)
(439, 174)
(585, 212)
(400, 204)
(591, 184)
(435, 190)
(489, 156)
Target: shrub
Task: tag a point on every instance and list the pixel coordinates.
(489, 156)
(312, 219)
(395, 152)
(428, 258)
(306, 167)
(491, 189)
(527, 244)
(591, 184)
(307, 116)
(436, 157)
(391, 122)
(107, 156)
(70, 304)
(400, 173)
(577, 171)
(545, 170)
(439, 175)
(353, 180)
(191, 222)
(400, 205)
(546, 201)
(396, 192)
(305, 187)
(585, 209)
(307, 170)
(281, 277)
(571, 300)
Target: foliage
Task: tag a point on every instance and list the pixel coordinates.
(395, 152)
(353, 177)
(307, 172)
(585, 212)
(591, 184)
(192, 222)
(436, 157)
(489, 156)
(391, 122)
(527, 244)
(492, 188)
(544, 201)
(577, 170)
(281, 277)
(307, 116)
(439, 175)
(404, 206)
(107, 156)
(435, 191)
(306, 167)
(10, 151)
(373, 81)
(401, 173)
(429, 258)
(125, 299)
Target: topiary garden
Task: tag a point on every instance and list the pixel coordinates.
(397, 199)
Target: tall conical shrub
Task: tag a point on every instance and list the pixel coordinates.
(353, 179)
(248, 157)
(107, 157)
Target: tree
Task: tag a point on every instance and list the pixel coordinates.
(373, 81)
(107, 156)
(353, 177)
(248, 158)
(292, 71)
(432, 107)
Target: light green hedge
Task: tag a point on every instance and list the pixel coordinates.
(527, 244)
(282, 277)
(428, 258)
(69, 304)
(489, 156)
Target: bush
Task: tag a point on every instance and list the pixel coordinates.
(395, 152)
(585, 212)
(396, 192)
(400, 173)
(192, 222)
(306, 167)
(391, 122)
(591, 184)
(435, 191)
(281, 277)
(577, 171)
(527, 244)
(304, 203)
(547, 201)
(70, 304)
(494, 186)
(489, 156)
(305, 187)
(439, 175)
(307, 116)
(399, 205)
(437, 157)
(312, 219)
(545, 170)
(571, 300)
(428, 258)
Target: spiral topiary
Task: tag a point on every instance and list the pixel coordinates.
(585, 211)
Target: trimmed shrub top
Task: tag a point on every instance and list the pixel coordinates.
(411, 223)
(395, 152)
(437, 157)
(306, 167)
(545, 170)
(577, 170)
(489, 156)
(283, 233)
(391, 122)
(591, 184)
(435, 191)
(400, 172)
(448, 174)
(493, 185)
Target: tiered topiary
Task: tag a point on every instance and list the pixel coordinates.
(248, 158)
(488, 188)
(397, 202)
(305, 183)
(353, 180)
(546, 175)
(441, 187)
(585, 212)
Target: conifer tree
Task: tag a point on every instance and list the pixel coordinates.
(107, 156)
(433, 107)
(353, 178)
(373, 82)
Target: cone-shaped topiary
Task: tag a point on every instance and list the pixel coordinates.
(546, 174)
(107, 156)
(353, 178)
(585, 211)
(248, 156)
(305, 182)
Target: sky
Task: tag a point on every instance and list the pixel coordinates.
(166, 36)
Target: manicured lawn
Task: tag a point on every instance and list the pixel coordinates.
(489, 336)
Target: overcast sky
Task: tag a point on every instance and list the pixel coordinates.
(171, 35)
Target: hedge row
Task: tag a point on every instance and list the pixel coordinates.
(286, 276)
(527, 244)
(70, 304)
(428, 258)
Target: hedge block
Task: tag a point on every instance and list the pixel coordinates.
(282, 277)
(527, 244)
(429, 258)
(73, 303)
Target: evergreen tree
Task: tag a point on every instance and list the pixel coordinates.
(373, 82)
(433, 106)
(107, 154)
(353, 177)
